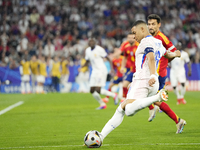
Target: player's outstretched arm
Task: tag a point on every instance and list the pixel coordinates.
(170, 55)
(111, 65)
(124, 60)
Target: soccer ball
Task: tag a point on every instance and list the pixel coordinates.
(93, 139)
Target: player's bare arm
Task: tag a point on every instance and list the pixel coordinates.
(170, 55)
(124, 60)
(152, 67)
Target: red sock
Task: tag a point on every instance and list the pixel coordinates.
(125, 91)
(165, 108)
(151, 107)
(108, 90)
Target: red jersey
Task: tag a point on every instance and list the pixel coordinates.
(117, 65)
(129, 52)
(122, 48)
(162, 66)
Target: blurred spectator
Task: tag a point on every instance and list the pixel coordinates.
(49, 49)
(34, 17)
(48, 18)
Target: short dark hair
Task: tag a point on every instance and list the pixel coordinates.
(138, 22)
(154, 16)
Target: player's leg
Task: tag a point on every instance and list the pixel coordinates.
(140, 94)
(106, 99)
(127, 80)
(176, 91)
(101, 81)
(182, 80)
(127, 106)
(27, 83)
(95, 93)
(114, 122)
(182, 93)
(22, 86)
(180, 123)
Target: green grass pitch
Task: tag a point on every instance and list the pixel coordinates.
(60, 122)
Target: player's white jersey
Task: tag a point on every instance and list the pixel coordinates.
(147, 44)
(95, 56)
(178, 63)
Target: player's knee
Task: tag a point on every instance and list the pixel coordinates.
(183, 84)
(92, 90)
(128, 111)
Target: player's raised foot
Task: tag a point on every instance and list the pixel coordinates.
(183, 101)
(163, 95)
(105, 100)
(101, 107)
(152, 113)
(116, 99)
(180, 125)
(178, 101)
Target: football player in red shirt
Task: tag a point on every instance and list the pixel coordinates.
(116, 62)
(128, 63)
(154, 23)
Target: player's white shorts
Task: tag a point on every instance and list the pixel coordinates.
(141, 89)
(98, 79)
(41, 78)
(25, 78)
(34, 78)
(176, 77)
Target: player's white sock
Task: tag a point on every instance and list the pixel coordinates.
(42, 88)
(183, 89)
(138, 104)
(22, 87)
(38, 89)
(107, 93)
(176, 91)
(28, 87)
(114, 122)
(98, 98)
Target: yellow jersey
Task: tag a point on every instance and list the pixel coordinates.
(83, 69)
(26, 67)
(64, 67)
(56, 69)
(42, 69)
(34, 67)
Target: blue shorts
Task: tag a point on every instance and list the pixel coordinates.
(129, 76)
(117, 80)
(127, 71)
(161, 82)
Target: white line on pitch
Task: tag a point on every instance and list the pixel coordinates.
(11, 107)
(30, 147)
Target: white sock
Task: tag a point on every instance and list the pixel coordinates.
(183, 89)
(28, 87)
(107, 93)
(114, 122)
(23, 87)
(42, 88)
(38, 89)
(177, 93)
(98, 98)
(139, 104)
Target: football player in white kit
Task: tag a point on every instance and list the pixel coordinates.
(95, 54)
(177, 74)
(144, 86)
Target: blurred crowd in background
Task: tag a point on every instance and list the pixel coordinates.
(62, 27)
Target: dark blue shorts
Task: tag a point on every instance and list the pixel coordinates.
(127, 71)
(117, 80)
(129, 76)
(161, 82)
